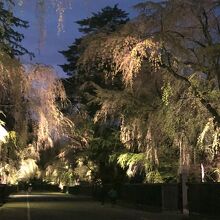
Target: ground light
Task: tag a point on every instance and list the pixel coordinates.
(3, 133)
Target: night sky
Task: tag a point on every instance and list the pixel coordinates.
(54, 42)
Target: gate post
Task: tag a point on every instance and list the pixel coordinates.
(184, 190)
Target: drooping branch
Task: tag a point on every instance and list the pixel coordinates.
(203, 101)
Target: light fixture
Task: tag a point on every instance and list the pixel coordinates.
(3, 133)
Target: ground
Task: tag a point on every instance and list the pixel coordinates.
(57, 206)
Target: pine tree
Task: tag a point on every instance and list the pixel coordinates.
(10, 39)
(79, 85)
(108, 19)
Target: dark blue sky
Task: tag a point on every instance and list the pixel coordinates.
(48, 54)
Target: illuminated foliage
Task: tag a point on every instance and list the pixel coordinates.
(81, 88)
(145, 97)
(29, 100)
(43, 92)
(169, 66)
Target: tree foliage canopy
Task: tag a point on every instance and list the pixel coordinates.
(168, 63)
(143, 98)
